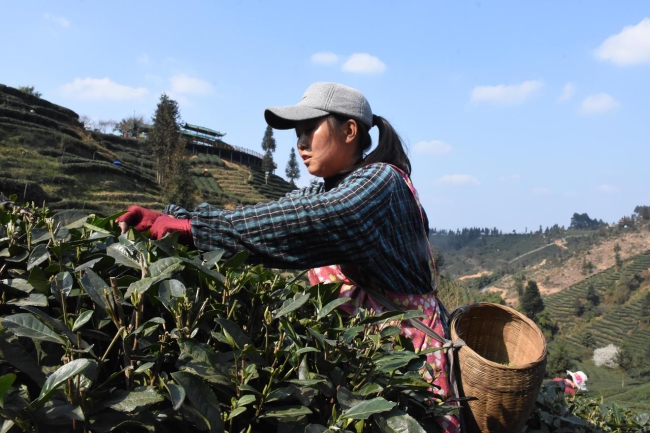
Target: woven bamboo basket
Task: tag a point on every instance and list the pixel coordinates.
(502, 366)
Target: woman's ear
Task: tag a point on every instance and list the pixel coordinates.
(351, 131)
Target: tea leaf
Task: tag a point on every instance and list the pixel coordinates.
(5, 383)
(70, 219)
(82, 320)
(176, 393)
(368, 407)
(330, 307)
(125, 401)
(397, 421)
(286, 411)
(299, 299)
(38, 256)
(61, 375)
(34, 299)
(94, 287)
(168, 265)
(62, 283)
(18, 284)
(26, 325)
(202, 398)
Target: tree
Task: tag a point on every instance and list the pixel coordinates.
(168, 150)
(624, 360)
(268, 142)
(106, 125)
(130, 126)
(587, 339)
(559, 359)
(30, 91)
(293, 169)
(532, 303)
(268, 166)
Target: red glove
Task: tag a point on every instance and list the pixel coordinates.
(138, 217)
(167, 224)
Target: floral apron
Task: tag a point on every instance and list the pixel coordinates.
(427, 303)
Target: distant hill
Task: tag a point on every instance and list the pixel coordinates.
(46, 155)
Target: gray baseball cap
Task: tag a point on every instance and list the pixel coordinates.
(319, 100)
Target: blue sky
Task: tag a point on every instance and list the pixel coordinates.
(516, 114)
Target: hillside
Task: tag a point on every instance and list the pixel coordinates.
(46, 155)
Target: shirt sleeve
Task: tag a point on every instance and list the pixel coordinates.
(304, 229)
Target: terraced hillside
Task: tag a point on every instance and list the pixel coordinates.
(47, 156)
(621, 319)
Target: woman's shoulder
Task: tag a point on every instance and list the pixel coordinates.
(381, 169)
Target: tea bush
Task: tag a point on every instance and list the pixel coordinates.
(104, 333)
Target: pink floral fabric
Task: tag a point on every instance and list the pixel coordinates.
(427, 303)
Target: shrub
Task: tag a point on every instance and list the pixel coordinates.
(101, 333)
(606, 356)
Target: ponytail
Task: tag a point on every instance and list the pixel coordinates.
(390, 148)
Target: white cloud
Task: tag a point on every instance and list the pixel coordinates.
(434, 147)
(567, 92)
(62, 21)
(324, 58)
(541, 191)
(183, 84)
(510, 178)
(629, 47)
(506, 94)
(458, 179)
(607, 189)
(598, 104)
(363, 63)
(101, 89)
(143, 59)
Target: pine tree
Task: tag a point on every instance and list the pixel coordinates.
(531, 302)
(293, 169)
(168, 150)
(268, 166)
(268, 142)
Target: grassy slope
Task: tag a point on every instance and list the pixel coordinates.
(44, 146)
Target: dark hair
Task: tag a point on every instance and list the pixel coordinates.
(390, 148)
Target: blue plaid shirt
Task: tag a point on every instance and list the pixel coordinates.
(369, 223)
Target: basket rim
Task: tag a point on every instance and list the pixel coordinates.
(456, 315)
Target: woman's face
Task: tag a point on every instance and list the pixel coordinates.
(326, 152)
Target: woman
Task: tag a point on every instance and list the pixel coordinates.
(363, 224)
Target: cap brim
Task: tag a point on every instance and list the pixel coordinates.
(286, 117)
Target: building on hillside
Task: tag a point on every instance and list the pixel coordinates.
(209, 141)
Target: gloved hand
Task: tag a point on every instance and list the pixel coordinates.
(138, 217)
(167, 224)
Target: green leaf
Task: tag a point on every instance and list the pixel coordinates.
(299, 299)
(351, 333)
(6, 426)
(99, 263)
(26, 325)
(144, 284)
(58, 324)
(370, 388)
(125, 401)
(235, 332)
(149, 324)
(202, 398)
(5, 383)
(171, 288)
(40, 235)
(62, 283)
(82, 320)
(144, 367)
(60, 376)
(247, 399)
(34, 299)
(168, 265)
(176, 393)
(368, 407)
(212, 258)
(236, 261)
(397, 421)
(122, 256)
(237, 411)
(306, 350)
(39, 281)
(70, 219)
(16, 355)
(71, 411)
(380, 317)
(18, 284)
(215, 276)
(94, 286)
(285, 411)
(38, 256)
(330, 307)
